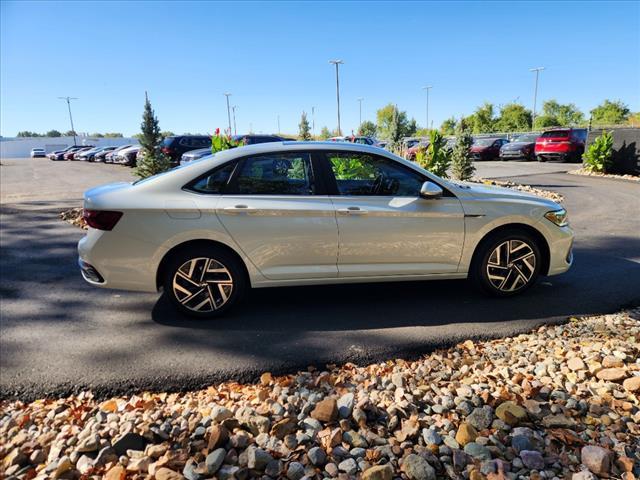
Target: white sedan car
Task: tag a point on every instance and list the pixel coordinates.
(37, 152)
(303, 213)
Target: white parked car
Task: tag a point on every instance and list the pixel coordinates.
(38, 152)
(303, 213)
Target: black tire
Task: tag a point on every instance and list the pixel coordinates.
(541, 158)
(192, 294)
(517, 275)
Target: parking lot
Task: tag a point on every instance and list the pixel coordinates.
(58, 334)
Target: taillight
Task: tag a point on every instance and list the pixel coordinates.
(101, 219)
(166, 150)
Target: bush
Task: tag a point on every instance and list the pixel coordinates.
(598, 156)
(436, 159)
(462, 167)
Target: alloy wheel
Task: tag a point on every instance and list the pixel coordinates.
(511, 265)
(202, 284)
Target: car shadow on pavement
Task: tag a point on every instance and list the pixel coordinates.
(592, 285)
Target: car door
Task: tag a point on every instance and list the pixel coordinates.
(274, 210)
(384, 226)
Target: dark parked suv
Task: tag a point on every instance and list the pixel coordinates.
(563, 144)
(174, 147)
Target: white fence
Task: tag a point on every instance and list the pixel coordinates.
(20, 147)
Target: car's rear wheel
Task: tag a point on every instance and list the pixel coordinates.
(204, 282)
(506, 263)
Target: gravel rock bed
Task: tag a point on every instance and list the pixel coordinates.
(559, 402)
(74, 217)
(589, 173)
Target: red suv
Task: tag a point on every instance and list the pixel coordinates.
(563, 144)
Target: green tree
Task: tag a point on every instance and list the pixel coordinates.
(556, 114)
(437, 158)
(304, 129)
(448, 127)
(97, 135)
(152, 160)
(70, 133)
(393, 124)
(325, 133)
(113, 135)
(598, 156)
(514, 118)
(462, 167)
(367, 129)
(167, 133)
(53, 133)
(483, 120)
(610, 113)
(27, 133)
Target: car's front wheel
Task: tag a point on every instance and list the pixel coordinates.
(506, 263)
(204, 282)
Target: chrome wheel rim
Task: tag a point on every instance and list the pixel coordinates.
(202, 285)
(511, 265)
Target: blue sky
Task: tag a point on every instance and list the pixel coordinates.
(273, 57)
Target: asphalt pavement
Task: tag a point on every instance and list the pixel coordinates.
(58, 335)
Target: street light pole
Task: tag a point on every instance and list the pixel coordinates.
(337, 63)
(228, 111)
(235, 132)
(278, 123)
(68, 100)
(535, 94)
(360, 108)
(427, 88)
(313, 121)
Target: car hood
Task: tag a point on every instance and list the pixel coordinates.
(488, 192)
(517, 145)
(478, 148)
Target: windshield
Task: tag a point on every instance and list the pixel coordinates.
(527, 138)
(484, 142)
(555, 134)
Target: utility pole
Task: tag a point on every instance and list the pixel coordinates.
(337, 63)
(68, 100)
(278, 123)
(427, 88)
(535, 94)
(360, 109)
(228, 111)
(235, 132)
(313, 121)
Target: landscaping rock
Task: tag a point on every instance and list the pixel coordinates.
(417, 468)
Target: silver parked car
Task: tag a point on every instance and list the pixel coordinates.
(303, 213)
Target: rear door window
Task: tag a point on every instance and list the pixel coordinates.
(275, 174)
(555, 134)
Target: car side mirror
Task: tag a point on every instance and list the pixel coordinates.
(430, 191)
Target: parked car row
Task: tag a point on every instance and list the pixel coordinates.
(561, 144)
(173, 145)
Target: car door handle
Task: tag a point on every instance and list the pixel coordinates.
(352, 211)
(240, 209)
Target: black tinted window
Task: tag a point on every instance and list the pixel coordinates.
(276, 174)
(555, 134)
(215, 181)
(362, 174)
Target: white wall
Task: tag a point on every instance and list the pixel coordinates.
(20, 147)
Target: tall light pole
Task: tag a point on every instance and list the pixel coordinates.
(535, 94)
(68, 100)
(313, 120)
(337, 63)
(228, 111)
(360, 109)
(235, 132)
(427, 88)
(278, 123)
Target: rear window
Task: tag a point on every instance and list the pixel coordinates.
(555, 134)
(168, 141)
